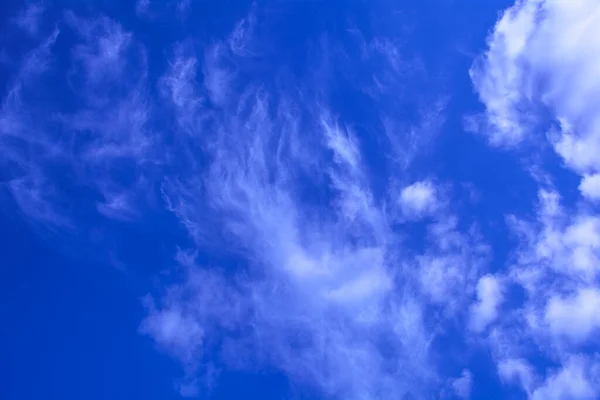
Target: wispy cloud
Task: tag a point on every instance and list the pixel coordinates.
(106, 77)
(322, 291)
(22, 149)
(29, 18)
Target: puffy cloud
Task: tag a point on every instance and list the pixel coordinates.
(556, 264)
(489, 296)
(575, 317)
(543, 60)
(330, 299)
(590, 187)
(419, 200)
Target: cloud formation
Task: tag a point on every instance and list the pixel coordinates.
(418, 200)
(327, 295)
(489, 298)
(320, 288)
(543, 55)
(542, 62)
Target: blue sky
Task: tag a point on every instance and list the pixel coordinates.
(300, 199)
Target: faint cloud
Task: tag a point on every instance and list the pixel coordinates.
(462, 386)
(29, 18)
(517, 371)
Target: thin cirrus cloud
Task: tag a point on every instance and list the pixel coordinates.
(108, 129)
(320, 286)
(324, 291)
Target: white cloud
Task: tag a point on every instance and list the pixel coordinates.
(590, 187)
(489, 297)
(419, 200)
(575, 317)
(319, 294)
(545, 55)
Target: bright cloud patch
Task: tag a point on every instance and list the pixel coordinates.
(575, 317)
(489, 297)
(418, 200)
(590, 187)
(545, 54)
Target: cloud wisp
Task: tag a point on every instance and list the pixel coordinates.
(326, 294)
